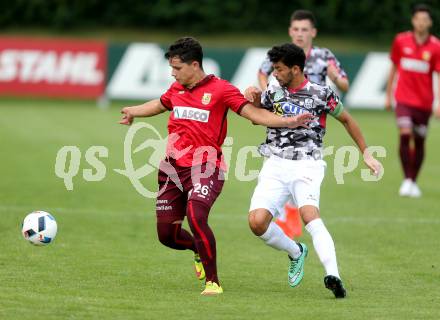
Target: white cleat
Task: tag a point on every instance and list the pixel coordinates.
(415, 191)
(406, 188)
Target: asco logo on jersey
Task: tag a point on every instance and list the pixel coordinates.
(63, 68)
(287, 108)
(189, 113)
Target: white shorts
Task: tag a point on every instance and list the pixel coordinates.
(281, 180)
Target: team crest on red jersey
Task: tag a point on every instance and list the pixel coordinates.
(206, 99)
(426, 55)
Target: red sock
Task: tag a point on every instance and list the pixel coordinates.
(419, 155)
(197, 214)
(405, 154)
(172, 235)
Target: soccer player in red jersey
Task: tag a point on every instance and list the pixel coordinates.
(191, 177)
(415, 56)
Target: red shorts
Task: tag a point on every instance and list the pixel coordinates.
(414, 118)
(178, 185)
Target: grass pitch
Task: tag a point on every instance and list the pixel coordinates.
(106, 261)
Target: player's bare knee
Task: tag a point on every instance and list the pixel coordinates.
(309, 213)
(405, 131)
(258, 222)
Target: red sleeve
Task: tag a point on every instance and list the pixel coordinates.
(233, 98)
(395, 53)
(165, 99)
(437, 59)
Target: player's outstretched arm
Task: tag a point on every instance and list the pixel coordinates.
(147, 109)
(355, 132)
(437, 107)
(389, 89)
(335, 76)
(263, 80)
(269, 119)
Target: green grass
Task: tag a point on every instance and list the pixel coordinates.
(106, 261)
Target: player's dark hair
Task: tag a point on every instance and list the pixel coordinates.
(186, 49)
(303, 15)
(289, 54)
(421, 7)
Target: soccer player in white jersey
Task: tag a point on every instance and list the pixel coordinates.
(295, 167)
(320, 64)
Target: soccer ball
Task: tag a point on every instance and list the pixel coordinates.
(39, 228)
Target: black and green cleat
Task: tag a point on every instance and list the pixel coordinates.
(335, 285)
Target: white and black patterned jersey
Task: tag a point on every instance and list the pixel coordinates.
(315, 67)
(299, 143)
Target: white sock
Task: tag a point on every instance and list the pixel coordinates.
(324, 246)
(275, 237)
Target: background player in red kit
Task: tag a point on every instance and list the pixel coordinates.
(415, 56)
(191, 176)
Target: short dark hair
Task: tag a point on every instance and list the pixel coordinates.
(421, 7)
(186, 49)
(289, 54)
(303, 15)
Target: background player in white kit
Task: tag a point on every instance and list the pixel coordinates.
(295, 167)
(320, 62)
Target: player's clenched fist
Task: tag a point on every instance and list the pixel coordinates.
(127, 117)
(253, 94)
(301, 120)
(372, 163)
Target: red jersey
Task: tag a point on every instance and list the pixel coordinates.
(415, 64)
(197, 125)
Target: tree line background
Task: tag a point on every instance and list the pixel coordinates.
(363, 17)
